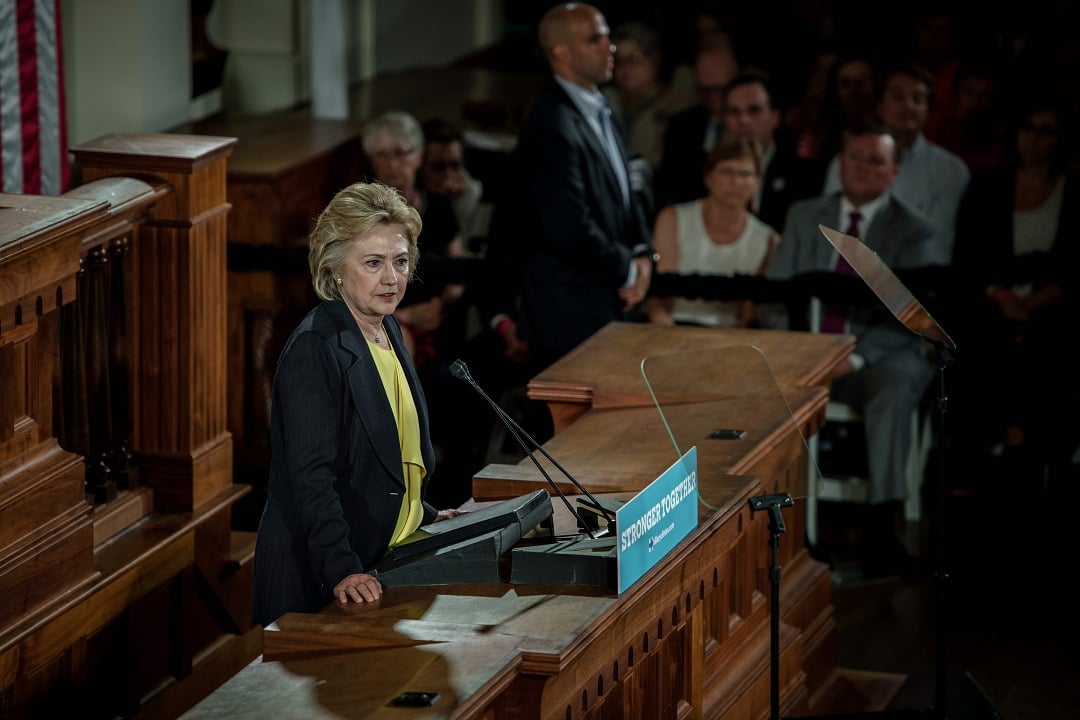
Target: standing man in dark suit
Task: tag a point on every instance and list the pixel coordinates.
(586, 254)
(889, 371)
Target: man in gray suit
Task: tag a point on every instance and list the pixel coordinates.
(889, 371)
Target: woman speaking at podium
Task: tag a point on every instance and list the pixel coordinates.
(350, 445)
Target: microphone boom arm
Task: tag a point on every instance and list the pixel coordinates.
(461, 371)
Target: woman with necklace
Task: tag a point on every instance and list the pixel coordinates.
(351, 451)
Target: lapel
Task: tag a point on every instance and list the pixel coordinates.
(595, 144)
(828, 212)
(880, 235)
(620, 134)
(372, 408)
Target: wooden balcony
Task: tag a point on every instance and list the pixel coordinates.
(123, 589)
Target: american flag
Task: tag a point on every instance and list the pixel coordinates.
(33, 132)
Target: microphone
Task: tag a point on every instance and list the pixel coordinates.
(461, 371)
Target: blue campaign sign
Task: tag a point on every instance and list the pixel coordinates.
(656, 519)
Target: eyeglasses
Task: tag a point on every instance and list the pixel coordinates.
(736, 174)
(394, 154)
(441, 166)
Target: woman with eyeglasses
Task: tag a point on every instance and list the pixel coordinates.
(715, 235)
(1017, 257)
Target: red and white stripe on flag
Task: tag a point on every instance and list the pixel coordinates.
(33, 131)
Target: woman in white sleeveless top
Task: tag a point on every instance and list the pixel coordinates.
(716, 235)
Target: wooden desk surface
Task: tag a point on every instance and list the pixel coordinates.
(626, 449)
(609, 361)
(336, 681)
(605, 370)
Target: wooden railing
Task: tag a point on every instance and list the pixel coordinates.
(123, 589)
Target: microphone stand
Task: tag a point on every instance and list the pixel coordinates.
(941, 575)
(938, 710)
(910, 313)
(460, 370)
(773, 503)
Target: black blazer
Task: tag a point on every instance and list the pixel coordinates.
(336, 481)
(788, 178)
(576, 233)
(983, 251)
(680, 177)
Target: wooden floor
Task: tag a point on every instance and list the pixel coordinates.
(1009, 638)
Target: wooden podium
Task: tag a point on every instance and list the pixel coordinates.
(604, 371)
(690, 639)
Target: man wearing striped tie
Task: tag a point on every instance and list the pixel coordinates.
(889, 371)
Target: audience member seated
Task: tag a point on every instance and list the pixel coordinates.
(805, 116)
(935, 46)
(715, 235)
(848, 102)
(684, 28)
(751, 112)
(443, 172)
(641, 97)
(889, 371)
(691, 133)
(1018, 258)
(932, 179)
(970, 125)
(393, 143)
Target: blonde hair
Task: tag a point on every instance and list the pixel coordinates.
(352, 213)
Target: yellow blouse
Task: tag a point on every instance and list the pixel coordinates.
(408, 422)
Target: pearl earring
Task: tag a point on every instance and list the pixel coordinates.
(338, 280)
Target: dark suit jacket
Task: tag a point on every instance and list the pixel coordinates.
(577, 236)
(680, 175)
(788, 178)
(983, 251)
(336, 481)
(898, 370)
(900, 236)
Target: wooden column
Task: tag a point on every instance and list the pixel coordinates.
(46, 537)
(180, 441)
(286, 168)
